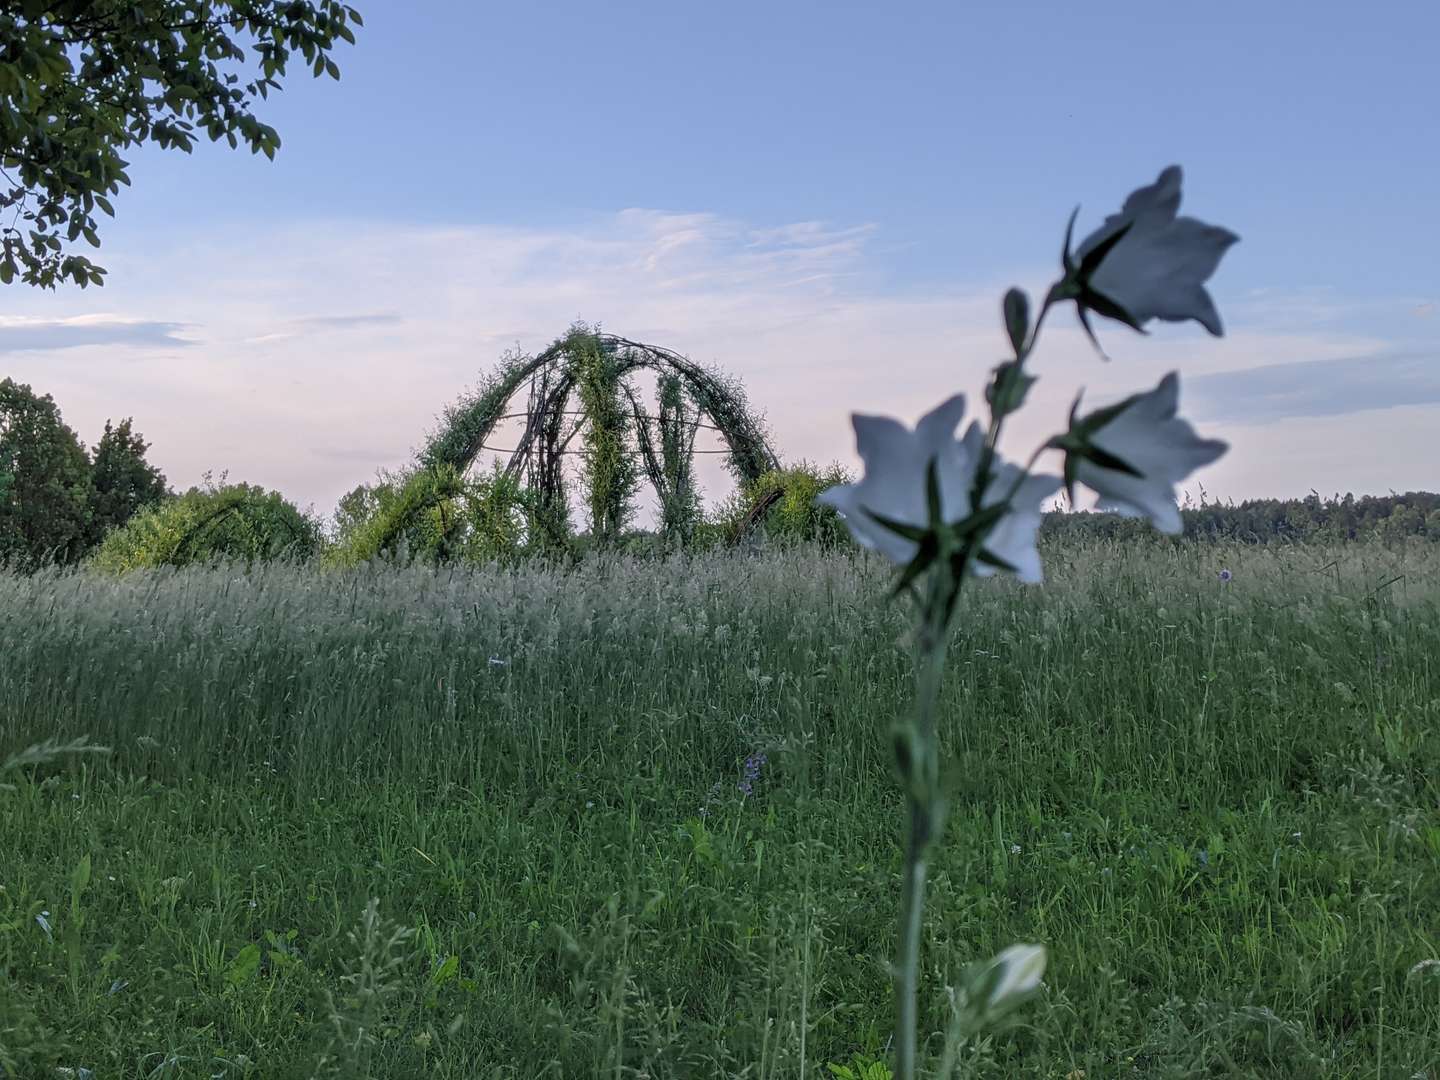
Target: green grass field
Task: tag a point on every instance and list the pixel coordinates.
(1217, 804)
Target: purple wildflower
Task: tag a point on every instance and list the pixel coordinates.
(1225, 575)
(753, 764)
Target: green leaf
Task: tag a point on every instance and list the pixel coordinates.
(1008, 389)
(1089, 332)
(446, 971)
(978, 522)
(1103, 305)
(932, 494)
(1096, 255)
(1065, 260)
(929, 551)
(1107, 460)
(79, 879)
(1090, 423)
(1016, 309)
(989, 558)
(244, 966)
(916, 533)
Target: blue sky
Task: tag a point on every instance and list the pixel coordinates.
(827, 200)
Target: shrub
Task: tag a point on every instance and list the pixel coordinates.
(781, 505)
(240, 522)
(434, 515)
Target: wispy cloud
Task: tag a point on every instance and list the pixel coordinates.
(1321, 307)
(348, 322)
(30, 334)
(1311, 388)
(332, 355)
(320, 324)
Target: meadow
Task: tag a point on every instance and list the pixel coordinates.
(638, 819)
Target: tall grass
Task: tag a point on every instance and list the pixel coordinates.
(1217, 803)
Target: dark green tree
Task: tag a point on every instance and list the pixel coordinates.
(122, 481)
(83, 80)
(44, 480)
(361, 505)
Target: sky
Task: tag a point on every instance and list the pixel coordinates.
(826, 200)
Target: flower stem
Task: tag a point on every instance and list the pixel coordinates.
(926, 813)
(992, 434)
(907, 973)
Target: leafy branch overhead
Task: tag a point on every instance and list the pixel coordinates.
(83, 80)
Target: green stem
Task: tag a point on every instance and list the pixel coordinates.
(907, 973)
(923, 796)
(992, 434)
(925, 813)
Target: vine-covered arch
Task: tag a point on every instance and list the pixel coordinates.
(595, 369)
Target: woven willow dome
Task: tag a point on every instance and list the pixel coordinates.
(578, 397)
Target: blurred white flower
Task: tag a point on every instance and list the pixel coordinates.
(1013, 537)
(1146, 435)
(1013, 974)
(1023, 966)
(897, 461)
(1158, 269)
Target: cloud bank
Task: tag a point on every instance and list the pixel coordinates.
(1313, 388)
(313, 355)
(19, 334)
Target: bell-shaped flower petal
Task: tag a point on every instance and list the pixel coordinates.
(1158, 269)
(1012, 540)
(897, 461)
(1163, 449)
(998, 985)
(1021, 968)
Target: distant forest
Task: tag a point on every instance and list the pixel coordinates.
(1271, 521)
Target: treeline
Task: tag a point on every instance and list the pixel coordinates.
(1271, 521)
(63, 503)
(58, 499)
